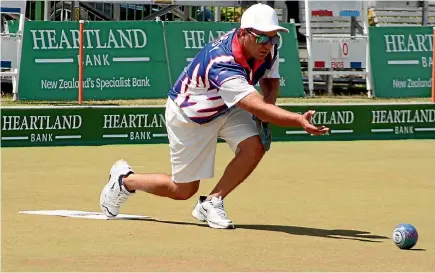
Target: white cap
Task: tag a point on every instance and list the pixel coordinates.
(261, 17)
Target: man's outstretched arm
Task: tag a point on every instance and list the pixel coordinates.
(267, 112)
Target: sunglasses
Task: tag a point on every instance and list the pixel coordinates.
(264, 39)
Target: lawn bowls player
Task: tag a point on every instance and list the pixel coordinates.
(214, 97)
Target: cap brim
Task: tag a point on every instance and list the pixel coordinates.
(282, 29)
(271, 28)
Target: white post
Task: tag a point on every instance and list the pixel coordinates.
(217, 14)
(16, 78)
(309, 40)
(47, 10)
(116, 11)
(284, 14)
(369, 87)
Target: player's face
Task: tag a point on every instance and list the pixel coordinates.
(260, 43)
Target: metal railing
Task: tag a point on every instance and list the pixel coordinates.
(97, 11)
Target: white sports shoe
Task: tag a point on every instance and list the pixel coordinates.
(114, 194)
(212, 212)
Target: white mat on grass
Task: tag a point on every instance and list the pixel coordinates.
(84, 214)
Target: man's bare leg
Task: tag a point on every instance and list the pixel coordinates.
(246, 160)
(160, 185)
(210, 209)
(123, 183)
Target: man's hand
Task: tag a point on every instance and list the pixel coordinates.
(265, 133)
(309, 127)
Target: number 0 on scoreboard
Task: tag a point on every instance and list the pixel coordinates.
(344, 49)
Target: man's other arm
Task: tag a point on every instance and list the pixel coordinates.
(270, 89)
(270, 82)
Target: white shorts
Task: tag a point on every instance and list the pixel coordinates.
(193, 146)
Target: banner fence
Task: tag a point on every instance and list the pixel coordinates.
(401, 61)
(140, 60)
(85, 125)
(126, 59)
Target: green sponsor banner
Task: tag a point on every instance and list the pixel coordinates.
(366, 122)
(401, 61)
(50, 126)
(13, 26)
(290, 66)
(126, 60)
(185, 39)
(121, 60)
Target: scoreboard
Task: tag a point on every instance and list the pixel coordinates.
(339, 53)
(336, 8)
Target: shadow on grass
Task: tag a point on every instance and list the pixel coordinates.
(342, 234)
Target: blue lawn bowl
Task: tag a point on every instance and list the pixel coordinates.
(405, 236)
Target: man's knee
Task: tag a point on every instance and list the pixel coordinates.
(252, 147)
(184, 191)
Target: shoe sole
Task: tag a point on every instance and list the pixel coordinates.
(107, 212)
